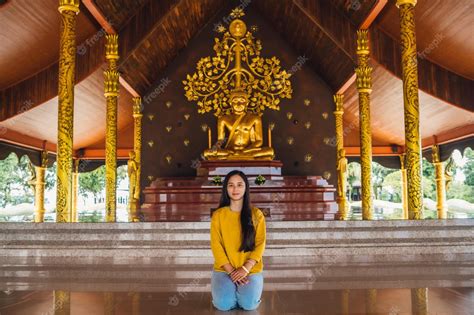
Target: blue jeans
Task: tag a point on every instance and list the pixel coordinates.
(227, 295)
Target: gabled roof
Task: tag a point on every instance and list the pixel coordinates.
(152, 33)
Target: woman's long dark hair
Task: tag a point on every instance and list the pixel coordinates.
(248, 230)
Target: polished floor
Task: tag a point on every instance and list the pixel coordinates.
(310, 267)
(440, 301)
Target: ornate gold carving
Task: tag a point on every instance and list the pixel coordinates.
(271, 126)
(151, 143)
(168, 104)
(364, 86)
(134, 187)
(237, 13)
(137, 150)
(289, 115)
(69, 5)
(111, 92)
(290, 140)
(111, 50)
(168, 158)
(308, 157)
(325, 115)
(204, 127)
(186, 116)
(339, 101)
(111, 159)
(186, 142)
(111, 83)
(403, 2)
(261, 79)
(306, 102)
(412, 111)
(341, 158)
(363, 51)
(67, 62)
(449, 172)
(169, 128)
(221, 28)
(239, 95)
(341, 185)
(364, 79)
(307, 125)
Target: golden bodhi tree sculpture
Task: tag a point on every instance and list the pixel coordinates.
(238, 84)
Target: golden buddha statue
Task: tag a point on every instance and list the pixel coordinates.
(238, 84)
(342, 171)
(134, 193)
(341, 185)
(245, 136)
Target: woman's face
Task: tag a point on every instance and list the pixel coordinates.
(236, 187)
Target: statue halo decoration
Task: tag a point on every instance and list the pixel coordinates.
(237, 66)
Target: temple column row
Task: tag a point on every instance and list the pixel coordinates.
(411, 163)
(67, 173)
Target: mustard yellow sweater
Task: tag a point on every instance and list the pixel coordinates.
(226, 238)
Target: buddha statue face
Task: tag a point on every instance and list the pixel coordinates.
(239, 103)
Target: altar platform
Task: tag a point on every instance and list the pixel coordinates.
(281, 198)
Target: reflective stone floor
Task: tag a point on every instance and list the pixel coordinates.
(293, 285)
(455, 301)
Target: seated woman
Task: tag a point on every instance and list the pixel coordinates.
(238, 237)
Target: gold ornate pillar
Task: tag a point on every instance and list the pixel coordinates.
(371, 301)
(440, 184)
(411, 105)
(67, 63)
(134, 202)
(75, 187)
(341, 198)
(364, 86)
(62, 302)
(419, 301)
(39, 187)
(403, 171)
(111, 94)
